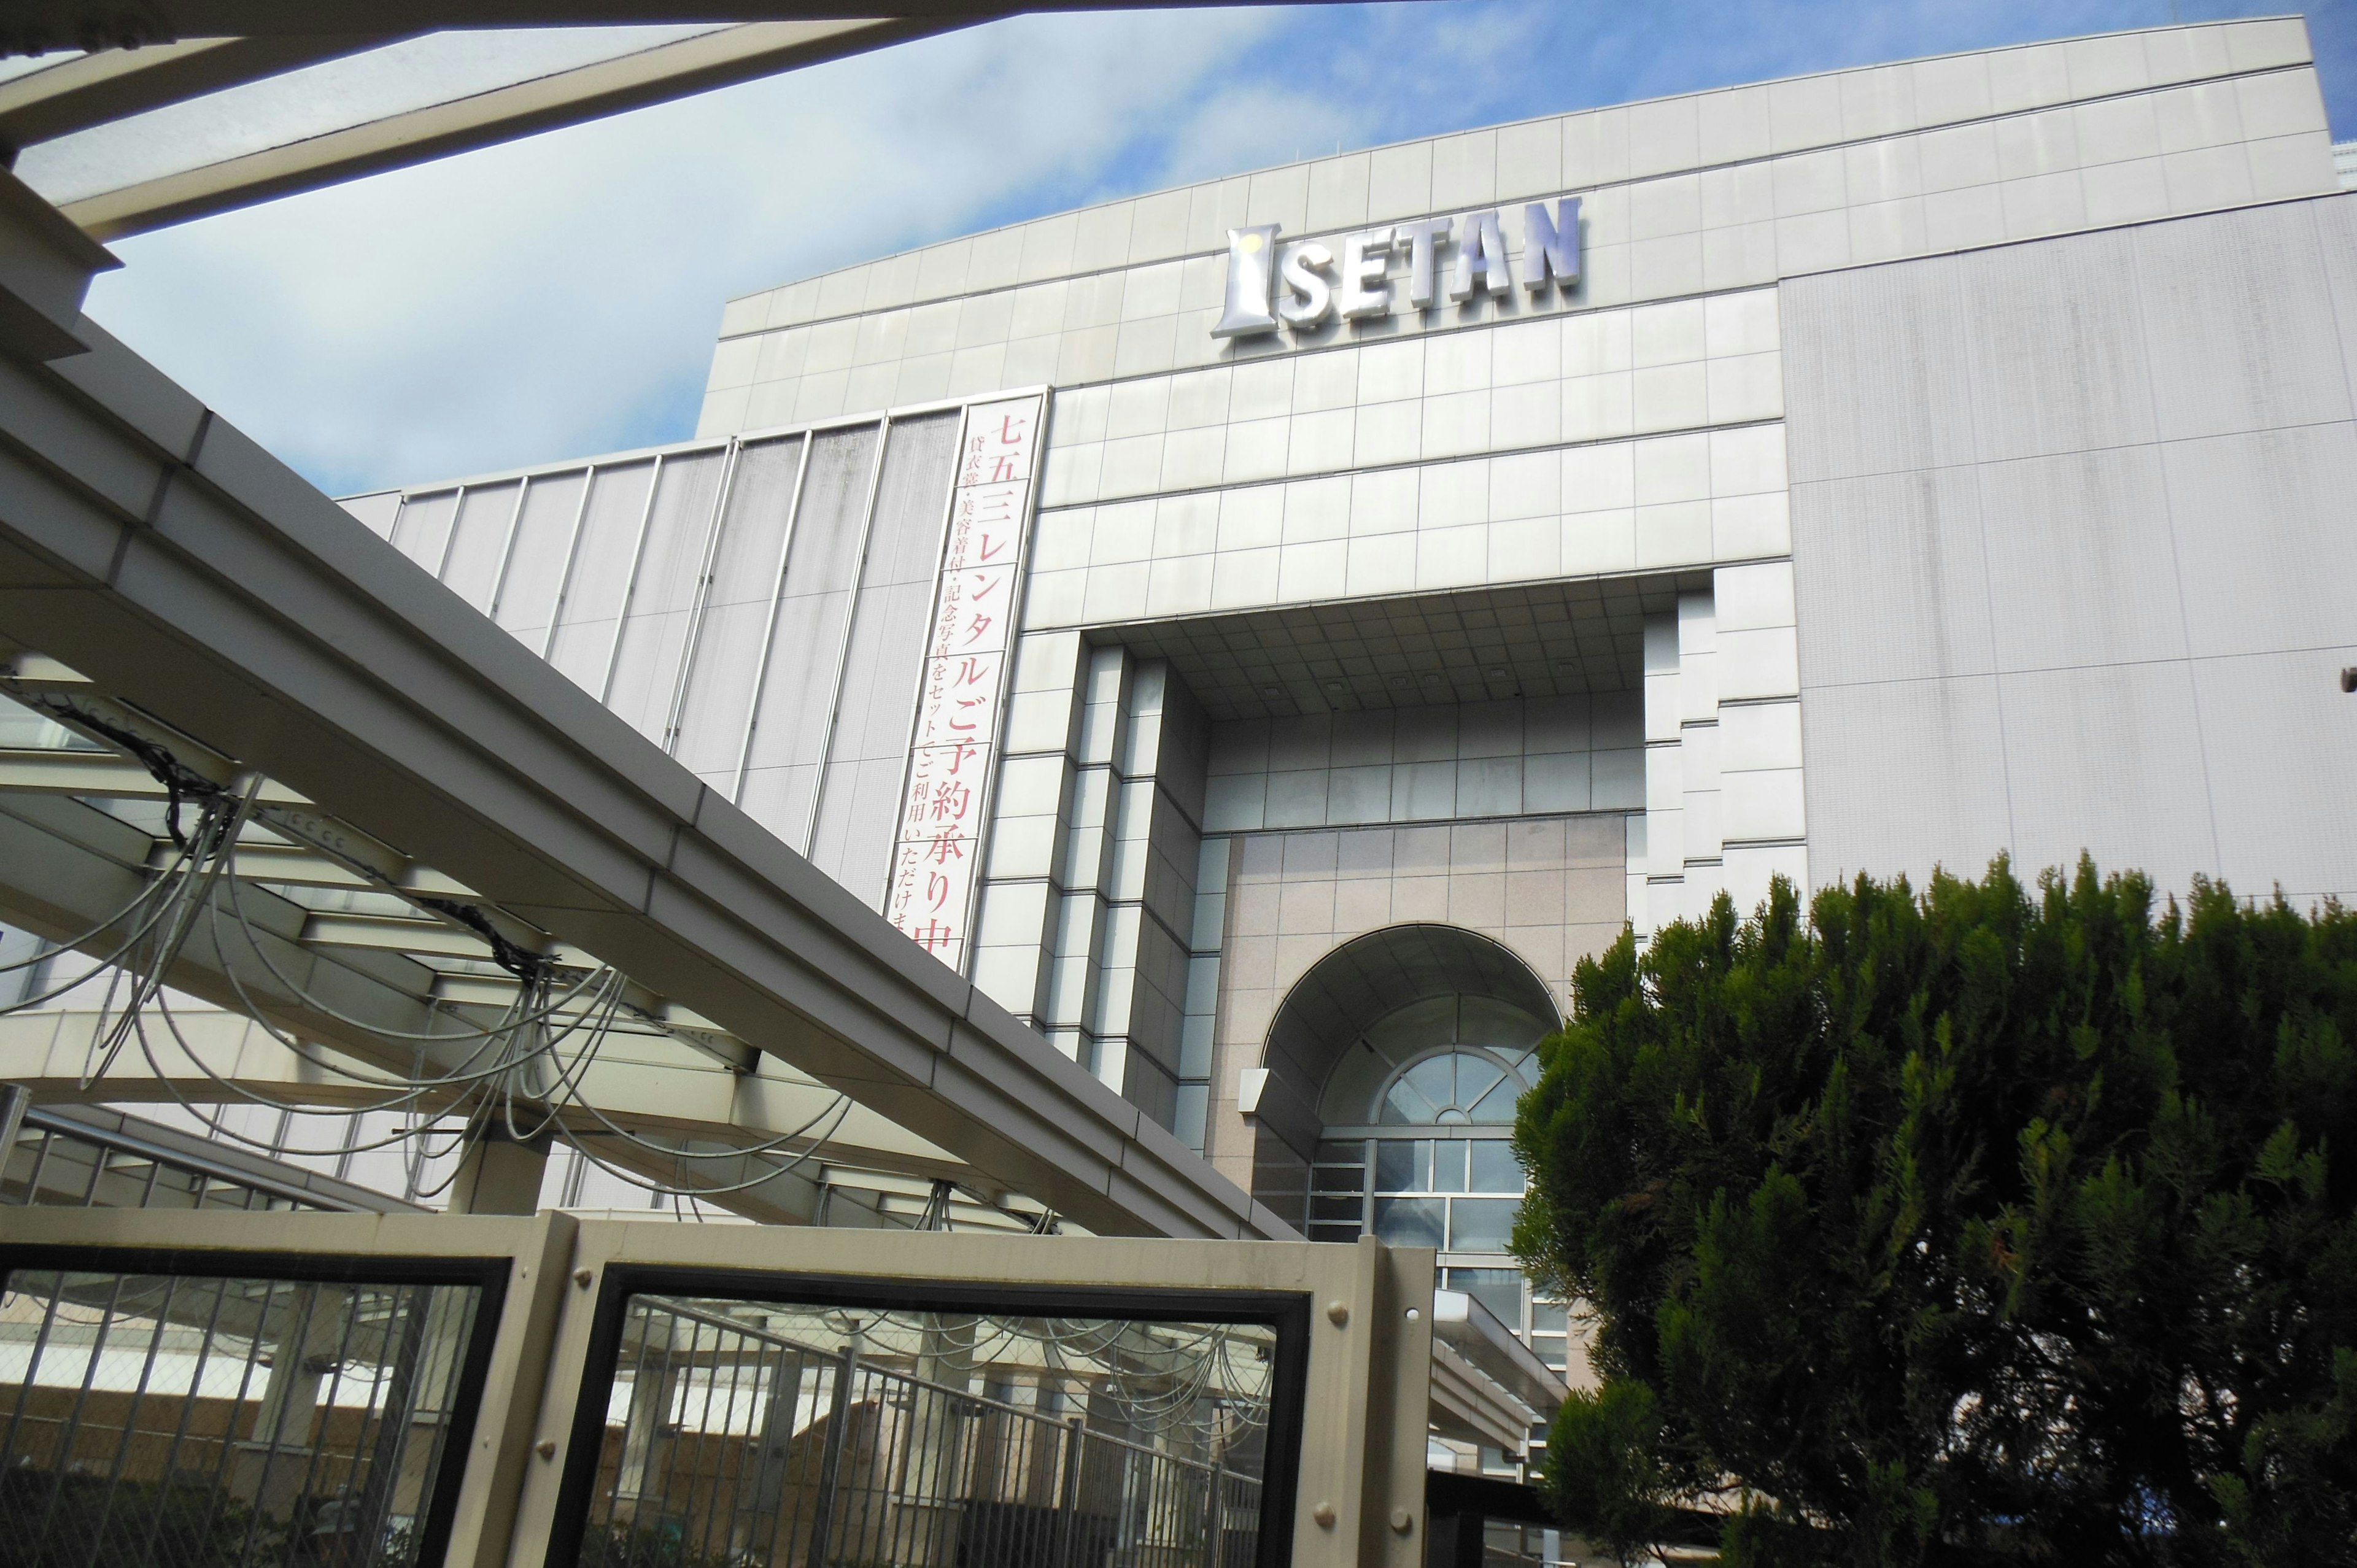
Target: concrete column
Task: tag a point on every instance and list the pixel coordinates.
(271, 1466)
(499, 1175)
(653, 1387)
(1663, 861)
(1699, 832)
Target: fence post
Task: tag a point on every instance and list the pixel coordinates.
(1213, 1522)
(1069, 1506)
(831, 1466)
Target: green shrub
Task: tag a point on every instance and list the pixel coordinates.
(1990, 1225)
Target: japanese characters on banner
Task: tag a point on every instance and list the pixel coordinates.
(939, 852)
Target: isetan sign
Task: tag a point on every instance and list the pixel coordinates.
(1304, 285)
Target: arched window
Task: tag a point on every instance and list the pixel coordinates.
(1423, 1038)
(1457, 1085)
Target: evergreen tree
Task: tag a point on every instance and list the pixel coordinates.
(1984, 1226)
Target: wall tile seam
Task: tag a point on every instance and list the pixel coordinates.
(1810, 149)
(1974, 465)
(2007, 245)
(2092, 228)
(698, 446)
(1418, 334)
(1637, 575)
(1161, 788)
(1146, 912)
(1057, 891)
(2332, 305)
(1419, 464)
(2013, 671)
(1419, 822)
(1427, 335)
(2168, 508)
(1057, 887)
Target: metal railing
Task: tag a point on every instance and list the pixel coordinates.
(730, 1444)
(93, 1157)
(179, 1421)
(289, 1389)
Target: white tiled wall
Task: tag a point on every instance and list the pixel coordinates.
(1548, 889)
(1088, 893)
(1527, 384)
(1615, 506)
(1538, 757)
(1725, 810)
(2088, 602)
(1632, 424)
(1684, 196)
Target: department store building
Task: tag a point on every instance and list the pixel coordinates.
(1267, 633)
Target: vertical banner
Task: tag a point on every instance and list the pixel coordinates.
(937, 857)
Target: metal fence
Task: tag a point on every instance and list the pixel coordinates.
(728, 1443)
(176, 1421)
(95, 1158)
(67, 1167)
(292, 1389)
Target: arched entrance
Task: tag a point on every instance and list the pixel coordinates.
(1394, 1065)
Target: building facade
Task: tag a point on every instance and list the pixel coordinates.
(1265, 633)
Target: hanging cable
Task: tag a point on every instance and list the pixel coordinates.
(516, 1075)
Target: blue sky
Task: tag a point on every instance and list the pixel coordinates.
(558, 297)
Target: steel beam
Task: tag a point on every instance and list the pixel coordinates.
(110, 1129)
(90, 89)
(100, 774)
(653, 75)
(31, 26)
(690, 1102)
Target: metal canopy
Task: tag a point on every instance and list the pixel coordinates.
(80, 833)
(74, 23)
(89, 131)
(176, 109)
(77, 92)
(188, 574)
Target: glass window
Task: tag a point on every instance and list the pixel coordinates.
(266, 1422)
(1550, 1348)
(1409, 1221)
(1480, 1224)
(1341, 1179)
(1424, 1092)
(1403, 1164)
(1496, 1108)
(1476, 1077)
(1459, 1085)
(1549, 1317)
(845, 1430)
(1499, 1290)
(1335, 1209)
(1495, 1169)
(1448, 1165)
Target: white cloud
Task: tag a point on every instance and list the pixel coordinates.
(1257, 124)
(559, 296)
